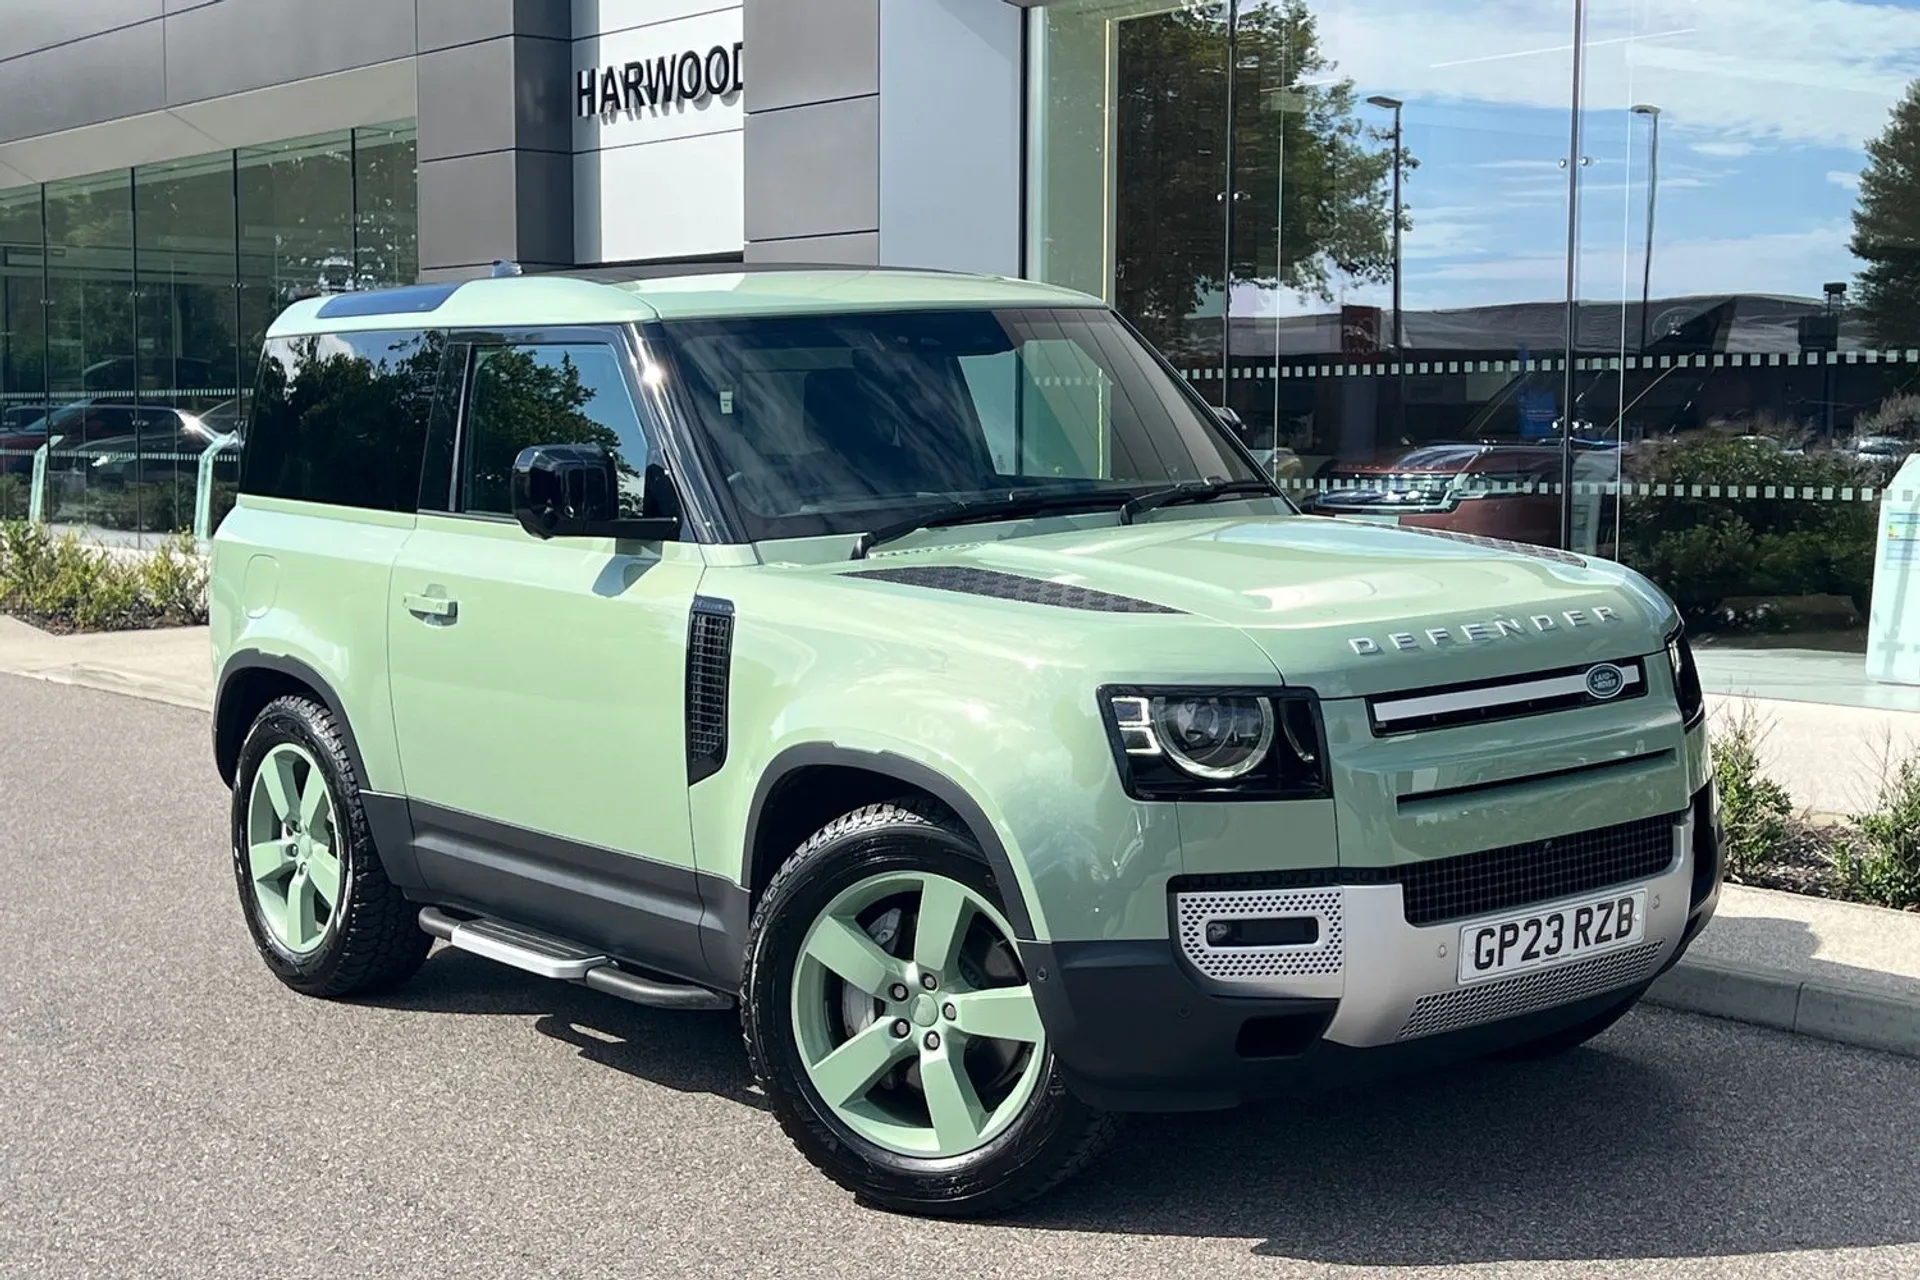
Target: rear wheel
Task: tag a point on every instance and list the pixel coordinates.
(892, 1026)
(318, 903)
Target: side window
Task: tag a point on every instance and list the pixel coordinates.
(546, 393)
(342, 419)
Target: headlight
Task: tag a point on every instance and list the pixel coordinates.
(1218, 744)
(1686, 677)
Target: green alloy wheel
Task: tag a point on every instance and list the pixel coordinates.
(930, 1053)
(317, 901)
(893, 1027)
(291, 833)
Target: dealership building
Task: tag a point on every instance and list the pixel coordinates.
(1398, 249)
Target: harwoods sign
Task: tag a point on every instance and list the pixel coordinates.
(691, 77)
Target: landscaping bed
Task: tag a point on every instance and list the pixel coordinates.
(1871, 857)
(60, 584)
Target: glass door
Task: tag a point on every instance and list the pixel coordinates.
(1748, 289)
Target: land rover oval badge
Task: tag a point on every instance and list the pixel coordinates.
(1605, 681)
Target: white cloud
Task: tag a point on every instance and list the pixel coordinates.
(1794, 263)
(1730, 150)
(1843, 178)
(1726, 73)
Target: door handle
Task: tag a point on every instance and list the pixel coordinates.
(432, 607)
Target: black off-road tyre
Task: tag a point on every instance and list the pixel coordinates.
(375, 943)
(1570, 1038)
(1051, 1140)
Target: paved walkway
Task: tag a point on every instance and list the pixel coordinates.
(1827, 969)
(172, 665)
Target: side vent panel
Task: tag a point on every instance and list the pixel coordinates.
(709, 662)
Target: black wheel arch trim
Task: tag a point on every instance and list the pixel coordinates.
(910, 773)
(246, 660)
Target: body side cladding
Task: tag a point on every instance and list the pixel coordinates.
(641, 911)
(229, 735)
(910, 773)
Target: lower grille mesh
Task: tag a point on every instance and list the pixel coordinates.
(1324, 958)
(1477, 884)
(1531, 992)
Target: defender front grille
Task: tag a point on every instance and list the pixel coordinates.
(1530, 992)
(1484, 701)
(1478, 884)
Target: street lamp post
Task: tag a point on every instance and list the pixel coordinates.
(1394, 105)
(1652, 113)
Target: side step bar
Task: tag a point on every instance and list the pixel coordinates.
(549, 957)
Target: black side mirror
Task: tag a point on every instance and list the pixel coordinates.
(573, 491)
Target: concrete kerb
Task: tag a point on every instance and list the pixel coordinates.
(1763, 997)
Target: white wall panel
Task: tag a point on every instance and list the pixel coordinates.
(950, 135)
(674, 199)
(657, 177)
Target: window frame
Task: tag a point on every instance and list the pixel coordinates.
(620, 339)
(245, 477)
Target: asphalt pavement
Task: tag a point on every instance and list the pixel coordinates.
(168, 1109)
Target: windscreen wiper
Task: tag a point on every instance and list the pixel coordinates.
(1206, 491)
(1010, 507)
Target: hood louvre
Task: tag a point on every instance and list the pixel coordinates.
(994, 584)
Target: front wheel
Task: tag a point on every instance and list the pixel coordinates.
(892, 1027)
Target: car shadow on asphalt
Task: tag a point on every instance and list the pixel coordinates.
(1670, 1137)
(688, 1051)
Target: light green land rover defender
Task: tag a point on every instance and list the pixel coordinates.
(916, 662)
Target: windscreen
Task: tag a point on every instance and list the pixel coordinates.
(837, 423)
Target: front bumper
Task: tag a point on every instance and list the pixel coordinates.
(1137, 1025)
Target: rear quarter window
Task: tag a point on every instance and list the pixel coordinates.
(342, 418)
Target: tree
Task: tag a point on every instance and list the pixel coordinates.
(1886, 229)
(1311, 180)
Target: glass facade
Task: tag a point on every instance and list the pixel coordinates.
(1622, 275)
(133, 304)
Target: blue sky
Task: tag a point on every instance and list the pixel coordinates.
(1766, 106)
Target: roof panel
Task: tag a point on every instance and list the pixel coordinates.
(536, 300)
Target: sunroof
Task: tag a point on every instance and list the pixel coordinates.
(412, 299)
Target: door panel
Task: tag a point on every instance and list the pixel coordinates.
(540, 684)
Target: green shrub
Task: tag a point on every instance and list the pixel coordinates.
(64, 585)
(1706, 550)
(1757, 810)
(14, 491)
(1880, 864)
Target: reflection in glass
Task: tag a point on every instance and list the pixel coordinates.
(91, 355)
(23, 345)
(535, 395)
(296, 226)
(386, 216)
(131, 314)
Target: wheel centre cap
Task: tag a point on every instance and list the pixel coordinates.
(925, 1010)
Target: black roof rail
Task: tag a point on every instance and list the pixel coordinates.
(629, 272)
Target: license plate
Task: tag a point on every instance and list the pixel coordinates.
(1541, 939)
